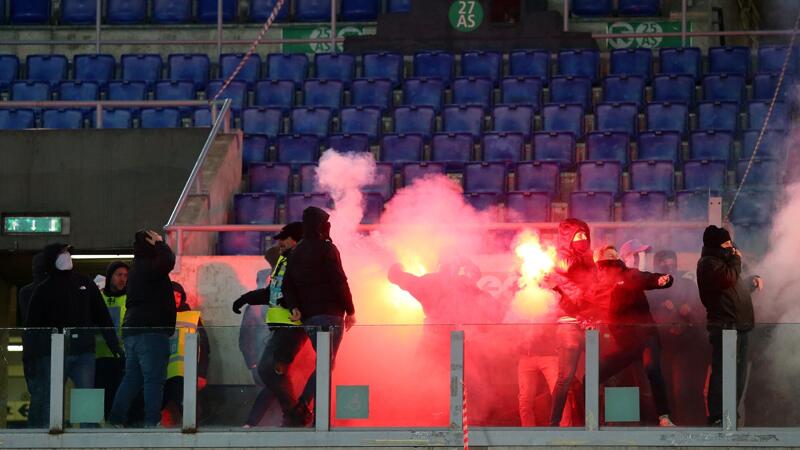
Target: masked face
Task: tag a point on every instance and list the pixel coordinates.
(64, 261)
(580, 242)
(668, 265)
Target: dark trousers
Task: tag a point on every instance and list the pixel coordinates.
(79, 368)
(107, 376)
(715, 382)
(570, 342)
(146, 358)
(333, 324)
(283, 346)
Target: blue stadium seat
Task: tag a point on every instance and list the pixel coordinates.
(423, 92)
(373, 206)
(555, 147)
(482, 64)
(600, 176)
(529, 207)
(255, 208)
(473, 91)
(9, 71)
(724, 88)
(201, 117)
(720, 116)
(624, 89)
(653, 176)
(504, 147)
(772, 57)
(316, 121)
(373, 92)
(659, 145)
(126, 12)
(78, 12)
(263, 121)
(592, 206)
(579, 63)
(398, 6)
(78, 91)
(119, 118)
(617, 117)
(434, 65)
(49, 68)
(160, 118)
(667, 117)
(463, 119)
(592, 8)
(97, 68)
(681, 61)
(348, 143)
(773, 145)
(127, 90)
(691, 206)
(563, 117)
(260, 10)
(763, 173)
(296, 203)
(17, 119)
(270, 178)
(455, 149)
(485, 177)
(414, 119)
(608, 146)
(141, 67)
(384, 65)
(29, 11)
(571, 89)
(69, 118)
(757, 115)
(538, 176)
(255, 149)
(529, 63)
(297, 149)
(283, 66)
(644, 206)
(753, 206)
(207, 11)
(323, 94)
(274, 94)
(234, 243)
(764, 85)
(674, 88)
(711, 145)
(730, 60)
(335, 66)
(31, 91)
(250, 72)
(236, 92)
(189, 67)
(633, 62)
(361, 120)
(639, 8)
(513, 118)
(172, 11)
(360, 10)
(483, 201)
(383, 183)
(312, 10)
(414, 171)
(522, 91)
(705, 175)
(308, 175)
(401, 148)
(176, 90)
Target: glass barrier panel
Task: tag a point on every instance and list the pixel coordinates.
(25, 377)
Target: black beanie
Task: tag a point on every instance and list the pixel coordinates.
(714, 236)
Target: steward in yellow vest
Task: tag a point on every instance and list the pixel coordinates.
(108, 368)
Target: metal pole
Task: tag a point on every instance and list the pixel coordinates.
(98, 12)
(333, 27)
(592, 387)
(219, 29)
(729, 397)
(190, 383)
(98, 116)
(57, 382)
(322, 401)
(683, 22)
(566, 15)
(715, 211)
(456, 380)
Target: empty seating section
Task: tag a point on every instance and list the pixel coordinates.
(624, 88)
(453, 149)
(555, 147)
(644, 206)
(600, 176)
(348, 143)
(401, 148)
(579, 63)
(250, 71)
(372, 92)
(529, 63)
(522, 91)
(653, 176)
(439, 65)
(632, 62)
(681, 61)
(482, 64)
(323, 93)
(507, 147)
(705, 175)
(335, 66)
(667, 117)
(607, 146)
(570, 89)
(659, 145)
(473, 91)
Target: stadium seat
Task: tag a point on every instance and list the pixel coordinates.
(308, 174)
(600, 176)
(361, 120)
(236, 92)
(270, 178)
(126, 12)
(414, 171)
(97, 68)
(757, 115)
(592, 206)
(681, 61)
(632, 62)
(398, 6)
(423, 92)
(260, 10)
(711, 145)
(579, 63)
(70, 118)
(729, 60)
(250, 72)
(316, 121)
(667, 117)
(373, 206)
(522, 91)
(764, 85)
(753, 206)
(127, 90)
(463, 119)
(720, 116)
(414, 119)
(384, 65)
(29, 12)
(274, 94)
(360, 10)
(772, 146)
(563, 117)
(255, 149)
(335, 66)
(455, 149)
(207, 11)
(323, 94)
(9, 71)
(691, 206)
(297, 149)
(141, 67)
(705, 175)
(571, 89)
(724, 88)
(772, 57)
(483, 201)
(653, 176)
(529, 207)
(189, 67)
(485, 177)
(118, 118)
(434, 65)
(503, 147)
(538, 176)
(624, 89)
(639, 8)
(372, 92)
(263, 121)
(201, 117)
(283, 66)
(17, 119)
(608, 146)
(482, 64)
(255, 208)
(235, 243)
(473, 91)
(617, 117)
(348, 143)
(30, 91)
(172, 11)
(48, 68)
(659, 145)
(296, 203)
(176, 90)
(513, 119)
(555, 147)
(78, 91)
(763, 173)
(383, 183)
(644, 206)
(592, 8)
(529, 63)
(160, 118)
(312, 10)
(674, 88)
(78, 12)
(401, 148)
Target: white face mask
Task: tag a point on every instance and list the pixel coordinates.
(64, 261)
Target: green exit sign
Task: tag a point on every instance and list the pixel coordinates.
(26, 224)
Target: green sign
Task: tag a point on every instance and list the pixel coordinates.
(352, 402)
(646, 28)
(466, 15)
(33, 225)
(321, 31)
(622, 404)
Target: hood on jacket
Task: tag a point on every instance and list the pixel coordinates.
(39, 267)
(50, 254)
(567, 230)
(315, 223)
(178, 288)
(109, 273)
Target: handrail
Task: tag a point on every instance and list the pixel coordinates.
(56, 104)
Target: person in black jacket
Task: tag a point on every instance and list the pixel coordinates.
(66, 299)
(149, 322)
(725, 293)
(28, 336)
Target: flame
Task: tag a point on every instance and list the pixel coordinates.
(535, 262)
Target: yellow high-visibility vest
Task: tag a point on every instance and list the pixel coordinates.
(187, 322)
(116, 309)
(277, 314)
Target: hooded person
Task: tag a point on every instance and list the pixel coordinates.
(108, 367)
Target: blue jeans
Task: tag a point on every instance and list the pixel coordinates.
(79, 368)
(146, 358)
(334, 324)
(570, 341)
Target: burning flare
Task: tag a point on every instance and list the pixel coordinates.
(532, 302)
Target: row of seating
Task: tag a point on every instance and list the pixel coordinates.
(601, 8)
(128, 12)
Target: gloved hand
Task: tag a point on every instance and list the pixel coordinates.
(238, 304)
